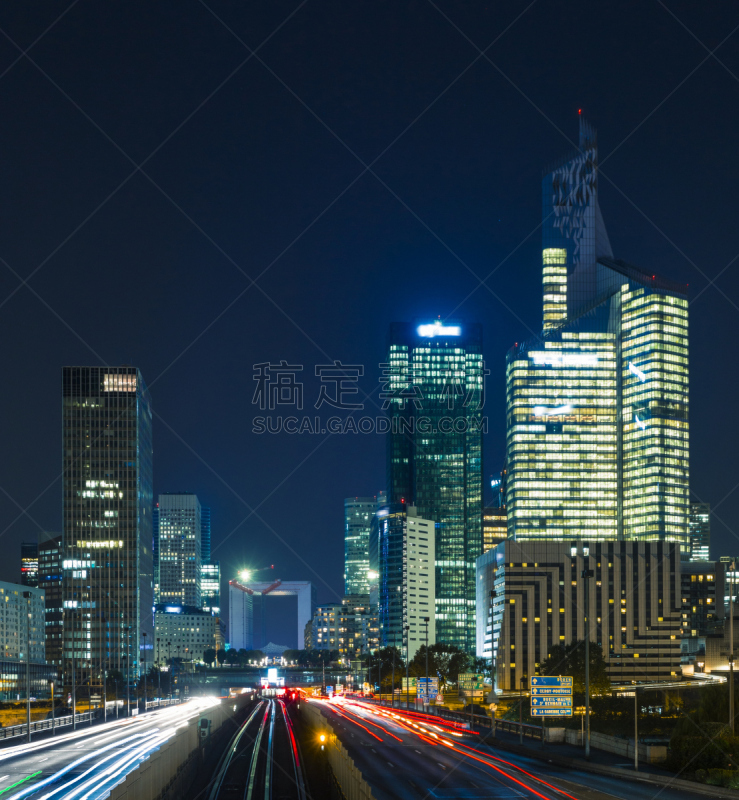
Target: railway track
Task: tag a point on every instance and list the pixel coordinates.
(262, 761)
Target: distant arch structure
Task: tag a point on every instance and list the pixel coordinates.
(241, 607)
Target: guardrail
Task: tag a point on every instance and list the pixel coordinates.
(463, 718)
(158, 703)
(46, 724)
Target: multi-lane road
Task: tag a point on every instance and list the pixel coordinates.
(408, 755)
(88, 763)
(262, 761)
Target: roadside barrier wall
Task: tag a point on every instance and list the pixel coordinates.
(151, 779)
(649, 754)
(350, 779)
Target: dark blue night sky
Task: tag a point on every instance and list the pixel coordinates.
(369, 165)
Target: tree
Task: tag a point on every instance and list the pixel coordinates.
(232, 656)
(221, 655)
(446, 661)
(209, 655)
(381, 661)
(569, 659)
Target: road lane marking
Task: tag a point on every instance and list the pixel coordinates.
(4, 777)
(419, 752)
(441, 765)
(390, 764)
(41, 760)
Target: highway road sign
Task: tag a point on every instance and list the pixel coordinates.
(552, 702)
(427, 691)
(471, 681)
(551, 712)
(552, 691)
(551, 680)
(409, 683)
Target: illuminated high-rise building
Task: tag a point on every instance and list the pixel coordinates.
(434, 396)
(107, 566)
(179, 549)
(358, 514)
(29, 564)
(210, 587)
(700, 531)
(597, 407)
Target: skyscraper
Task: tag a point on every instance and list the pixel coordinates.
(358, 513)
(179, 549)
(205, 534)
(406, 578)
(210, 587)
(700, 531)
(29, 564)
(434, 396)
(597, 407)
(50, 555)
(107, 521)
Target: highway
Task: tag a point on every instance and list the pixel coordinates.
(405, 755)
(262, 761)
(88, 763)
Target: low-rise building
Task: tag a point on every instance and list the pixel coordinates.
(358, 628)
(531, 596)
(325, 628)
(182, 632)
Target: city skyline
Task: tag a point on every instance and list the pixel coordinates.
(342, 283)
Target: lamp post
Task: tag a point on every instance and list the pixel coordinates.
(105, 671)
(587, 574)
(144, 635)
(492, 697)
(426, 623)
(731, 648)
(407, 662)
(520, 712)
(27, 596)
(636, 729)
(116, 698)
(392, 685)
(159, 670)
(51, 684)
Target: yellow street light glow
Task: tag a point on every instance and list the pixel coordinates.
(244, 574)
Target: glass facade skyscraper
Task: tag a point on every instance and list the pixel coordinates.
(179, 549)
(597, 408)
(205, 544)
(700, 531)
(107, 521)
(210, 587)
(434, 396)
(358, 513)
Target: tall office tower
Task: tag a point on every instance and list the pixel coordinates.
(434, 396)
(358, 513)
(494, 527)
(155, 549)
(50, 555)
(597, 408)
(406, 579)
(210, 587)
(205, 551)
(179, 549)
(699, 527)
(107, 535)
(29, 564)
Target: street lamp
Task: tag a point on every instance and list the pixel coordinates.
(51, 684)
(144, 635)
(159, 670)
(407, 661)
(520, 712)
(731, 648)
(426, 623)
(587, 574)
(28, 596)
(105, 671)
